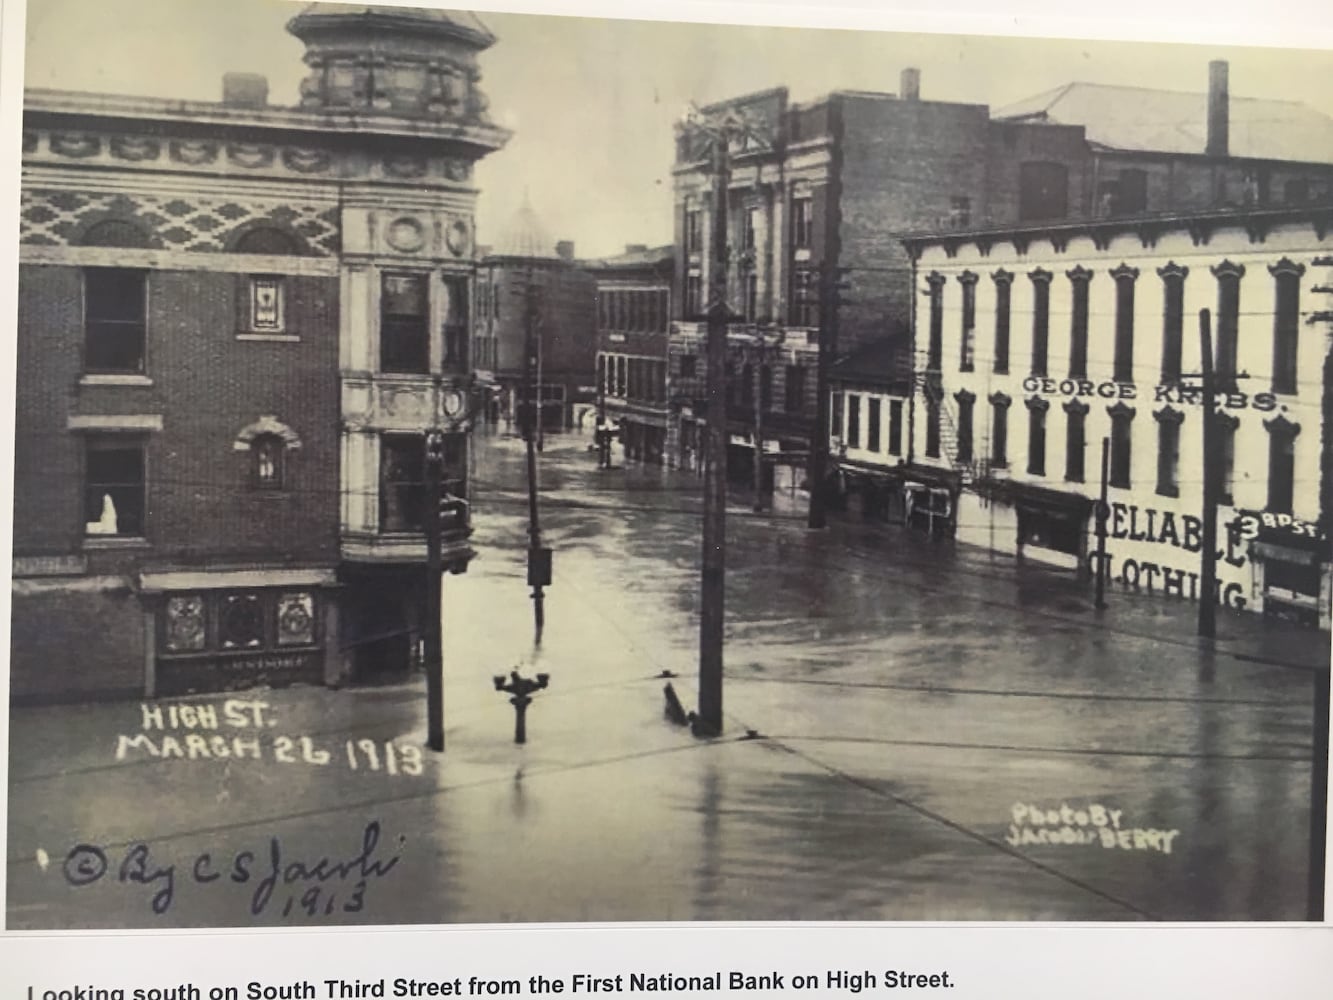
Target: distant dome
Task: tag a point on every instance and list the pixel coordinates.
(525, 236)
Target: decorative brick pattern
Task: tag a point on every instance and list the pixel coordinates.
(57, 218)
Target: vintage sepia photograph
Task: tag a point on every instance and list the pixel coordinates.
(475, 467)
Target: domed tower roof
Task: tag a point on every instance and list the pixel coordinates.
(525, 236)
(401, 61)
(462, 24)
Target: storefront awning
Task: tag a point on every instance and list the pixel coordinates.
(1043, 500)
(1282, 553)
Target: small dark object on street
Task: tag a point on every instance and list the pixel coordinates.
(521, 688)
(675, 711)
(667, 673)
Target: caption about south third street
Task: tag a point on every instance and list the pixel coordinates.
(580, 984)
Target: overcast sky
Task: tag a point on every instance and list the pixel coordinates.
(592, 101)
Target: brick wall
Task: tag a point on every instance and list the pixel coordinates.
(73, 645)
(207, 386)
(568, 318)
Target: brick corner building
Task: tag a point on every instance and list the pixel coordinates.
(236, 323)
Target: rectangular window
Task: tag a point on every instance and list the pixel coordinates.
(872, 425)
(1281, 473)
(1173, 325)
(751, 297)
(1036, 441)
(1043, 191)
(932, 428)
(693, 232)
(1168, 457)
(694, 285)
(751, 227)
(936, 348)
(968, 337)
(765, 388)
(1075, 445)
(1002, 327)
(402, 482)
(689, 366)
(1124, 329)
(1078, 329)
(960, 212)
(1132, 192)
(853, 421)
(1041, 325)
(622, 376)
(999, 435)
(835, 416)
(1226, 449)
(114, 486)
(795, 389)
(1286, 324)
(114, 311)
(455, 322)
(803, 223)
(965, 430)
(1228, 316)
(404, 324)
(1120, 452)
(805, 298)
(266, 304)
(895, 427)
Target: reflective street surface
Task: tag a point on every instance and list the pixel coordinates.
(914, 731)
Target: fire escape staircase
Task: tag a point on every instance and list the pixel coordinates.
(929, 384)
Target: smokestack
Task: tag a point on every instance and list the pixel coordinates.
(1219, 109)
(245, 90)
(565, 250)
(909, 86)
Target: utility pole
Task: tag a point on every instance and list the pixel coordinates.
(434, 654)
(1318, 796)
(538, 557)
(713, 589)
(717, 131)
(1103, 515)
(819, 438)
(760, 350)
(1208, 573)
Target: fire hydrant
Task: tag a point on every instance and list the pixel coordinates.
(521, 688)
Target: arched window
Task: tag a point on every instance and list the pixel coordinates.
(267, 240)
(115, 233)
(268, 442)
(267, 452)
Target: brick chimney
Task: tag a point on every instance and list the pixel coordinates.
(245, 90)
(909, 85)
(1219, 109)
(565, 249)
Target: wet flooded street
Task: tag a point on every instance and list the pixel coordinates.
(913, 731)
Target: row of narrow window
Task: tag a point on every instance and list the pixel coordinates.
(1281, 466)
(115, 482)
(636, 310)
(1286, 321)
(116, 319)
(623, 377)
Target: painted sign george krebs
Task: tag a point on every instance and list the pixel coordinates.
(1166, 392)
